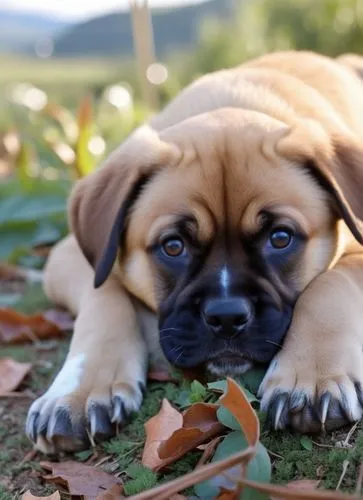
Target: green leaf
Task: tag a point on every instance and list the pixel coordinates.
(259, 469)
(198, 392)
(183, 399)
(226, 418)
(306, 443)
(252, 379)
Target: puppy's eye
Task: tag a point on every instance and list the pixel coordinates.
(280, 238)
(173, 247)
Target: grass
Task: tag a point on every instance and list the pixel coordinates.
(20, 470)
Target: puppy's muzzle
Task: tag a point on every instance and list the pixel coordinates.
(227, 317)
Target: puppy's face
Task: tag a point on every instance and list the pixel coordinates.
(222, 238)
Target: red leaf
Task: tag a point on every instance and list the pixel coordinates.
(81, 480)
(12, 374)
(17, 328)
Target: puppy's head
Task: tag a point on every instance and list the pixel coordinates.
(218, 224)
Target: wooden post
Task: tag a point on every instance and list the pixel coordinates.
(144, 49)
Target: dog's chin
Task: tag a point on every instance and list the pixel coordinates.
(229, 363)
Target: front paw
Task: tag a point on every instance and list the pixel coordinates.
(312, 396)
(82, 406)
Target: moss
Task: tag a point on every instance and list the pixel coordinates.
(142, 479)
(5, 495)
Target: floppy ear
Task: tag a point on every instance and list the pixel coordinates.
(336, 162)
(100, 203)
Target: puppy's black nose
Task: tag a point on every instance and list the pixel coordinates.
(227, 317)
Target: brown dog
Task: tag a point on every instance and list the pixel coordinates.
(228, 226)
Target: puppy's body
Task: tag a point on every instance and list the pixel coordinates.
(241, 161)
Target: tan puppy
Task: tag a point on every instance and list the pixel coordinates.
(228, 226)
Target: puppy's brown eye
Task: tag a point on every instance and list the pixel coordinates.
(173, 247)
(280, 238)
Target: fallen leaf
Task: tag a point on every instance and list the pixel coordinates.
(62, 319)
(29, 496)
(12, 374)
(237, 403)
(16, 328)
(81, 480)
(208, 450)
(200, 424)
(159, 428)
(114, 493)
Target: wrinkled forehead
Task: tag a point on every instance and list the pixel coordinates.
(227, 176)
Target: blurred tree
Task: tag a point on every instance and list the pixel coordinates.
(331, 27)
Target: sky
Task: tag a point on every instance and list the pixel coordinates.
(81, 9)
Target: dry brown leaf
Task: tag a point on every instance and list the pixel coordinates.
(17, 328)
(158, 429)
(200, 424)
(82, 480)
(208, 450)
(114, 493)
(29, 496)
(236, 402)
(62, 319)
(12, 374)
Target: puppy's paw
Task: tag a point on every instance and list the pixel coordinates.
(315, 394)
(82, 406)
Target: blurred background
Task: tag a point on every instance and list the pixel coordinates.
(78, 75)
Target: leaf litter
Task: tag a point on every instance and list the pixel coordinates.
(18, 328)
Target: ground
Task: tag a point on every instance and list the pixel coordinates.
(293, 456)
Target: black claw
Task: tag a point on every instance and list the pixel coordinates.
(100, 423)
(119, 411)
(43, 422)
(32, 426)
(359, 391)
(61, 425)
(298, 400)
(142, 388)
(323, 407)
(278, 412)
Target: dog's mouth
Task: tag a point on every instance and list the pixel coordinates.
(229, 363)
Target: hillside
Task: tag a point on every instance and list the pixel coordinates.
(111, 34)
(20, 30)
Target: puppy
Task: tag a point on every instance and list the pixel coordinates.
(226, 233)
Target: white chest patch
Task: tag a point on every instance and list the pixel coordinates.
(68, 379)
(224, 280)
